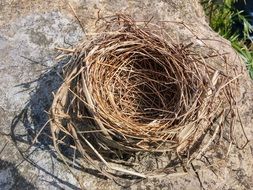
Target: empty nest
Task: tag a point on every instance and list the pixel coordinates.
(128, 89)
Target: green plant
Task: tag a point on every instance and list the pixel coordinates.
(224, 19)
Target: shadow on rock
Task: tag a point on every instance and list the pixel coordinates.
(10, 178)
(30, 126)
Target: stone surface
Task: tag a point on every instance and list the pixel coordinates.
(29, 32)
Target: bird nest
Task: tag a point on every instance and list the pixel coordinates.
(128, 89)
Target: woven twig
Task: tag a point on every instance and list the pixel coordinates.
(128, 89)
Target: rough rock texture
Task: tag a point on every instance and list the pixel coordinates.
(29, 32)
